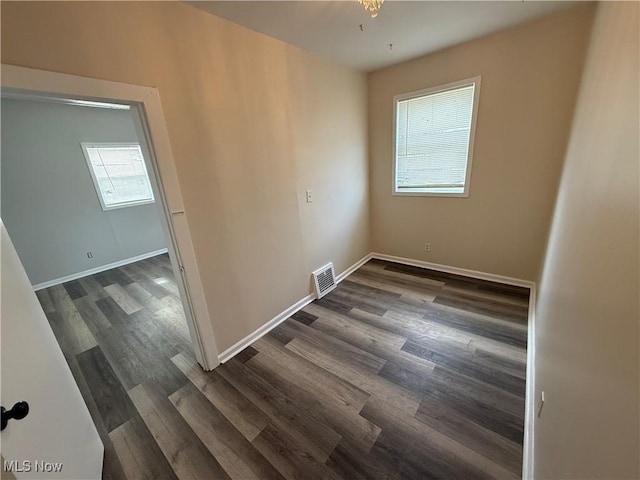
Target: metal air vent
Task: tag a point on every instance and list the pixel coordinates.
(324, 279)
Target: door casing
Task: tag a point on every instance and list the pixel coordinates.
(147, 109)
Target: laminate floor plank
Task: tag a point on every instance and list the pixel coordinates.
(45, 301)
(308, 374)
(72, 330)
(484, 441)
(487, 294)
(378, 342)
(480, 411)
(400, 284)
(143, 278)
(405, 291)
(93, 317)
(398, 373)
(351, 463)
(246, 354)
(452, 383)
(502, 311)
(453, 279)
(115, 275)
(112, 468)
(106, 390)
(315, 437)
(319, 404)
(237, 409)
(304, 317)
(445, 457)
(373, 385)
(93, 288)
(510, 335)
(168, 284)
(187, 455)
(236, 455)
(416, 328)
(139, 454)
(122, 298)
(368, 334)
(346, 352)
(74, 289)
(155, 267)
(289, 457)
(352, 295)
(122, 357)
(495, 377)
(111, 310)
(379, 269)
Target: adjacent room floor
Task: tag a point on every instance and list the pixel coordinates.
(400, 372)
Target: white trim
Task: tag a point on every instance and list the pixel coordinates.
(456, 270)
(103, 268)
(281, 317)
(145, 102)
(353, 268)
(475, 81)
(530, 396)
(266, 328)
(65, 101)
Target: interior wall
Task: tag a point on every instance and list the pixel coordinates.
(49, 203)
(530, 76)
(253, 123)
(587, 329)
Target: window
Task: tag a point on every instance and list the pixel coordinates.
(434, 131)
(119, 174)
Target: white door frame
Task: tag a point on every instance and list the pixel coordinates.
(145, 102)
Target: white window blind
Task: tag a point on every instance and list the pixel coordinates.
(433, 135)
(119, 174)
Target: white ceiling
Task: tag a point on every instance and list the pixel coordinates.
(414, 28)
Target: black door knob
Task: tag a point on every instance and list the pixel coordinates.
(18, 412)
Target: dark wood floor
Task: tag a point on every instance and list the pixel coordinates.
(400, 372)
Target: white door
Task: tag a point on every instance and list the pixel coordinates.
(57, 439)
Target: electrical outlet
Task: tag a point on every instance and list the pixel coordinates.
(89, 255)
(309, 194)
(427, 247)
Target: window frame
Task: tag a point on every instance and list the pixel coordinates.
(474, 114)
(86, 145)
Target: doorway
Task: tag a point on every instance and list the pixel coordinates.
(146, 107)
(95, 251)
(119, 327)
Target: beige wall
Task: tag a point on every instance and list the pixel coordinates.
(253, 123)
(587, 315)
(530, 76)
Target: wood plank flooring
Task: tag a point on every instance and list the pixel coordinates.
(400, 372)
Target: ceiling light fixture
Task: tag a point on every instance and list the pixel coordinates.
(372, 5)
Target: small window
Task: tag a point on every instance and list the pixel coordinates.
(119, 174)
(434, 131)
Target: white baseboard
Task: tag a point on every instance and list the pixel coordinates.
(264, 329)
(102, 268)
(455, 270)
(281, 317)
(353, 268)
